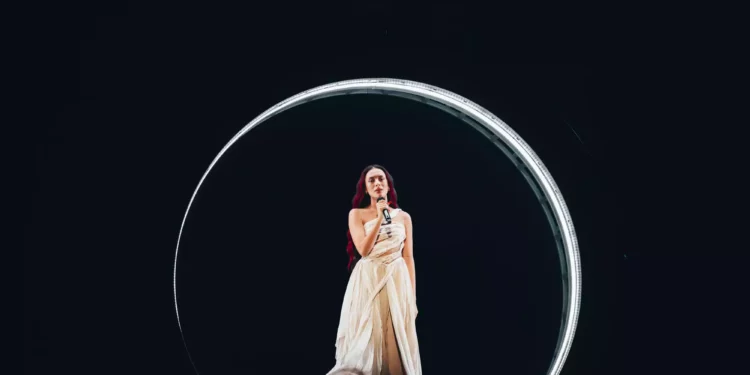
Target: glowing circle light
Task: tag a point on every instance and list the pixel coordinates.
(502, 136)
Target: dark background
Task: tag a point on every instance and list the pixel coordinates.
(140, 100)
(265, 240)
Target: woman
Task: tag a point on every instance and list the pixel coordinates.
(377, 333)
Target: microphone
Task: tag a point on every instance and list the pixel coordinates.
(386, 214)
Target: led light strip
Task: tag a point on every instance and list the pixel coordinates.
(502, 136)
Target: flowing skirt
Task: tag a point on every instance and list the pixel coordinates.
(377, 332)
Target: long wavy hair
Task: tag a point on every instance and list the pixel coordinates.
(361, 200)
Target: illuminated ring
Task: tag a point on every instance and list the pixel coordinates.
(495, 130)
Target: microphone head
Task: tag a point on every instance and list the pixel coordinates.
(381, 199)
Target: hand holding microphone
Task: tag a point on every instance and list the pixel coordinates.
(383, 212)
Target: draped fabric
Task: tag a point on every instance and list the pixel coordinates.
(377, 333)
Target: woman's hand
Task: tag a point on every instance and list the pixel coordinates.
(380, 206)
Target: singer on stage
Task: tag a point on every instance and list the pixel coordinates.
(377, 332)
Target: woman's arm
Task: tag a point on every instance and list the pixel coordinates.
(408, 252)
(363, 243)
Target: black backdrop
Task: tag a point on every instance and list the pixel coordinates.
(142, 104)
(265, 242)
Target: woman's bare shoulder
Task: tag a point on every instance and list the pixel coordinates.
(358, 213)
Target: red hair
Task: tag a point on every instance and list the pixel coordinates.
(362, 199)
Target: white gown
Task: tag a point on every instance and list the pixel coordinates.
(377, 324)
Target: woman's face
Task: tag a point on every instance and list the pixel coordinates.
(376, 183)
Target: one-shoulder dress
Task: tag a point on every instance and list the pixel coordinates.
(377, 332)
